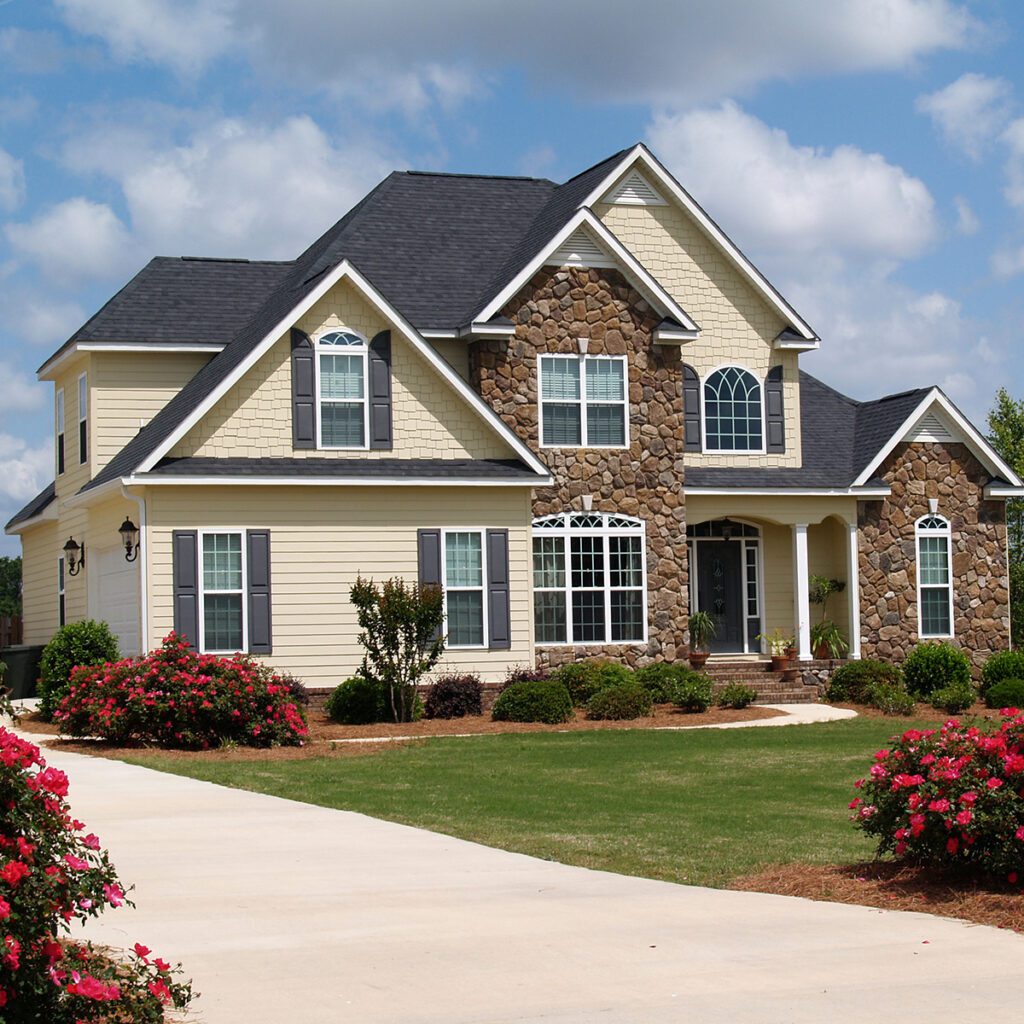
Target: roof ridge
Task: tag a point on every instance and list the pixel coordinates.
(605, 160)
(470, 174)
(222, 259)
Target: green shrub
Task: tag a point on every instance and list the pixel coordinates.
(525, 674)
(357, 701)
(953, 699)
(78, 643)
(1007, 693)
(890, 699)
(851, 681)
(934, 666)
(585, 678)
(659, 678)
(692, 694)
(620, 703)
(538, 701)
(1004, 665)
(735, 695)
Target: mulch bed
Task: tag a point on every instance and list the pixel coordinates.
(894, 887)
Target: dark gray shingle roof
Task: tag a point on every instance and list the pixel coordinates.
(36, 506)
(412, 469)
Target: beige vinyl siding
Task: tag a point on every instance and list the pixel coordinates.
(779, 607)
(737, 324)
(75, 474)
(430, 420)
(828, 555)
(129, 389)
(40, 549)
(321, 539)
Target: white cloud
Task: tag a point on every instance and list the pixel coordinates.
(42, 319)
(18, 391)
(1013, 138)
(12, 181)
(74, 240)
(970, 112)
(967, 222)
(798, 201)
(24, 469)
(1008, 262)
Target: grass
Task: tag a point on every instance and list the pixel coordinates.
(699, 807)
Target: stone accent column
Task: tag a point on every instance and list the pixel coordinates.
(853, 590)
(801, 591)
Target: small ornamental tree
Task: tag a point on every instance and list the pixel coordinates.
(401, 632)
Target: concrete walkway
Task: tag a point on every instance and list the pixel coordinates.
(284, 912)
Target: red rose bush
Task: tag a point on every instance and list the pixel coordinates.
(951, 797)
(53, 874)
(176, 697)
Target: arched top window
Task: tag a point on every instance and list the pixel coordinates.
(934, 576)
(341, 369)
(587, 521)
(733, 411)
(341, 339)
(932, 523)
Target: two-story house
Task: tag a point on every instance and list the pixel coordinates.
(578, 407)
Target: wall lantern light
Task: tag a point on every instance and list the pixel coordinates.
(74, 555)
(130, 538)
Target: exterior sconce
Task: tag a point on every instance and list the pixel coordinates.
(130, 538)
(74, 555)
(727, 529)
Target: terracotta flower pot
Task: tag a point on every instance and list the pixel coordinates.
(779, 662)
(697, 659)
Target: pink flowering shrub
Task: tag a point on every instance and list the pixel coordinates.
(54, 873)
(175, 697)
(952, 797)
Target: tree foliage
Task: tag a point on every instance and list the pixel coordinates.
(10, 585)
(1006, 435)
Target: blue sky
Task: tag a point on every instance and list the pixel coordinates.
(867, 154)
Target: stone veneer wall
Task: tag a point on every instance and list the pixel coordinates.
(551, 314)
(888, 555)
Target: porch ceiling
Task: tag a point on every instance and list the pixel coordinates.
(783, 510)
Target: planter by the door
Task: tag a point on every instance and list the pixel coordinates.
(822, 653)
(790, 674)
(698, 659)
(779, 662)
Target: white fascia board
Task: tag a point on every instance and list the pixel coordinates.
(92, 494)
(48, 515)
(1002, 491)
(439, 334)
(480, 329)
(345, 270)
(626, 260)
(726, 244)
(158, 479)
(981, 448)
(46, 370)
(796, 346)
(804, 492)
(670, 337)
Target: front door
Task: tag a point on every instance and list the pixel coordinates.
(720, 591)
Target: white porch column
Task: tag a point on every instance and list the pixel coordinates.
(801, 586)
(853, 590)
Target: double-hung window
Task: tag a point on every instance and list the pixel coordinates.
(60, 430)
(341, 361)
(222, 599)
(83, 419)
(583, 401)
(588, 579)
(464, 592)
(934, 577)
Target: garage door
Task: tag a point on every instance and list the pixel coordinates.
(114, 595)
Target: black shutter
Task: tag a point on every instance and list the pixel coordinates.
(380, 391)
(691, 408)
(303, 391)
(185, 554)
(429, 555)
(499, 616)
(258, 572)
(774, 413)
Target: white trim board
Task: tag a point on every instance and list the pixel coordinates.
(159, 479)
(803, 492)
(53, 362)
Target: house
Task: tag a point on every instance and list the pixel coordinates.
(578, 407)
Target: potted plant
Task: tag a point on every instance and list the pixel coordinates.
(702, 631)
(777, 642)
(827, 641)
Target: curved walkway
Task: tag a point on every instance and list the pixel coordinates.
(283, 911)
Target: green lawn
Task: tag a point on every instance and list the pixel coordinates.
(700, 807)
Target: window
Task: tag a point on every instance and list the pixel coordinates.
(583, 401)
(732, 411)
(222, 609)
(934, 577)
(464, 587)
(589, 579)
(83, 419)
(60, 430)
(341, 390)
(61, 608)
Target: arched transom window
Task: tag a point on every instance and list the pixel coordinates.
(934, 577)
(341, 390)
(589, 579)
(732, 411)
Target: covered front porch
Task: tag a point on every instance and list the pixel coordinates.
(751, 559)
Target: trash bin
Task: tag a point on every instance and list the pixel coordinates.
(22, 669)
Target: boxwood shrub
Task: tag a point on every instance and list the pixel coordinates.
(1004, 665)
(890, 699)
(1007, 693)
(850, 682)
(537, 701)
(356, 701)
(659, 678)
(620, 703)
(692, 694)
(735, 695)
(454, 697)
(585, 678)
(954, 699)
(77, 643)
(934, 666)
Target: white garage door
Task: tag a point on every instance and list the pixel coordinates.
(114, 595)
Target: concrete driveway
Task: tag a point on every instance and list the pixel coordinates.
(284, 912)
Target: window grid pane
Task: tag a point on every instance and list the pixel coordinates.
(934, 563)
(606, 425)
(587, 562)
(549, 617)
(562, 425)
(627, 615)
(560, 379)
(935, 611)
(222, 622)
(548, 562)
(341, 424)
(465, 618)
(341, 377)
(222, 561)
(605, 380)
(588, 616)
(732, 406)
(625, 562)
(464, 565)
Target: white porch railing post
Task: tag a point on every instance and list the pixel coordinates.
(854, 592)
(801, 588)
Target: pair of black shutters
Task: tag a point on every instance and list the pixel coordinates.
(774, 412)
(378, 391)
(185, 546)
(499, 617)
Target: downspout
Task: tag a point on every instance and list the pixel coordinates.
(143, 570)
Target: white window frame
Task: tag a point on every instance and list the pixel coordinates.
(83, 419)
(202, 535)
(946, 533)
(321, 348)
(482, 532)
(705, 447)
(60, 447)
(62, 609)
(566, 531)
(582, 401)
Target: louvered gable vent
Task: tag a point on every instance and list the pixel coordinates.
(580, 250)
(932, 427)
(636, 190)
